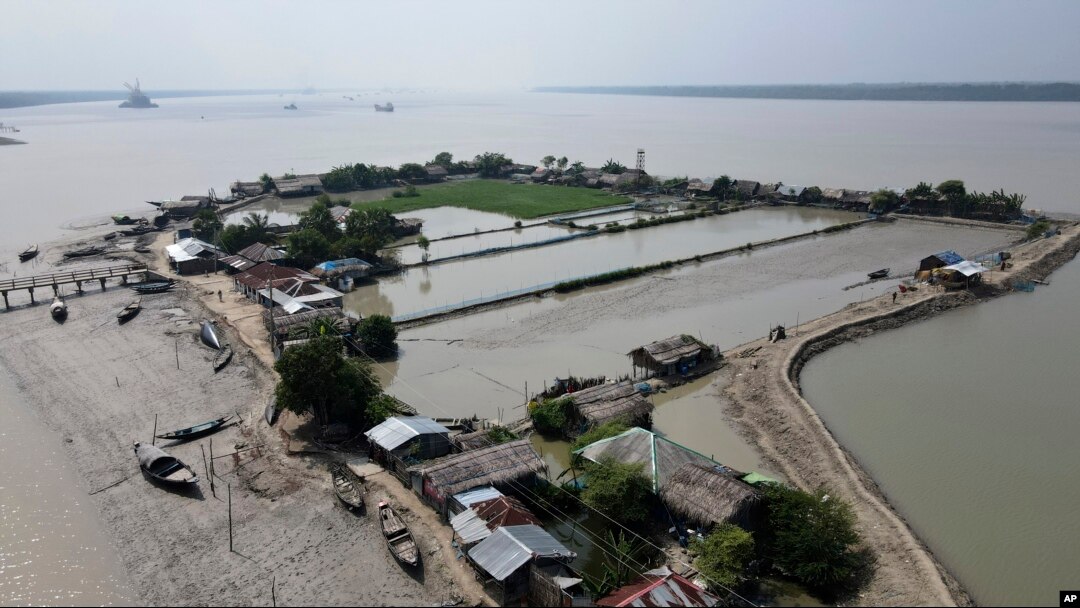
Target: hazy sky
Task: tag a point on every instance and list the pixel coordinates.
(462, 44)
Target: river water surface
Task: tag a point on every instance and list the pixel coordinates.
(968, 422)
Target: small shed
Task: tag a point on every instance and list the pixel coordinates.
(746, 189)
(940, 260)
(961, 275)
(502, 560)
(408, 436)
(660, 587)
(341, 273)
(511, 464)
(183, 208)
(192, 256)
(674, 355)
(246, 189)
(708, 495)
(407, 226)
(661, 457)
(300, 185)
(832, 194)
(463, 500)
(436, 173)
(259, 252)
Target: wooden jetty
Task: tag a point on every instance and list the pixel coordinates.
(78, 277)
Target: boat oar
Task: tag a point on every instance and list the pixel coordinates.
(111, 485)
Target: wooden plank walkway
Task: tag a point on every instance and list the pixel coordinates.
(78, 277)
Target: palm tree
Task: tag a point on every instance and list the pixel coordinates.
(257, 225)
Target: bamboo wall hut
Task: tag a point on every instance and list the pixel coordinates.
(708, 495)
(675, 355)
(504, 465)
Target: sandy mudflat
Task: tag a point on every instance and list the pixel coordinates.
(175, 547)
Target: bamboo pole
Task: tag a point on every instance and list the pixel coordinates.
(153, 436)
(230, 518)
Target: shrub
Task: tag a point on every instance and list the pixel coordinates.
(619, 490)
(397, 194)
(608, 429)
(1037, 229)
(378, 335)
(517, 224)
(812, 537)
(723, 555)
(551, 416)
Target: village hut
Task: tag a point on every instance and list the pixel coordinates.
(832, 195)
(509, 464)
(260, 252)
(407, 437)
(766, 191)
(192, 256)
(603, 403)
(246, 189)
(482, 518)
(965, 274)
(184, 208)
(300, 185)
(236, 263)
(940, 260)
(462, 501)
(745, 189)
(541, 174)
(503, 561)
(856, 200)
(710, 495)
(473, 440)
(660, 587)
(661, 457)
(674, 355)
(342, 273)
(284, 322)
(436, 173)
(696, 187)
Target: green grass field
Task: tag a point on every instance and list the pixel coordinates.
(525, 201)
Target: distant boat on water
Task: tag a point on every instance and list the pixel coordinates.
(291, 106)
(389, 107)
(136, 99)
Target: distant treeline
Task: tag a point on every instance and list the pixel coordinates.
(1055, 91)
(18, 99)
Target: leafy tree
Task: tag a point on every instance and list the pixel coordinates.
(723, 186)
(619, 490)
(884, 201)
(562, 162)
(411, 171)
(812, 195)
(339, 179)
(612, 166)
(500, 434)
(207, 225)
(266, 181)
(577, 168)
(955, 195)
(319, 219)
(317, 378)
(812, 537)
(444, 160)
(490, 164)
(548, 161)
(308, 247)
(372, 226)
(723, 555)
(923, 191)
(378, 335)
(382, 407)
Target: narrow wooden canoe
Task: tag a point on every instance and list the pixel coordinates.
(160, 466)
(879, 274)
(222, 358)
(28, 253)
(198, 430)
(153, 286)
(271, 411)
(398, 537)
(348, 486)
(129, 312)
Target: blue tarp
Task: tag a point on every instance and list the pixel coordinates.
(342, 263)
(950, 257)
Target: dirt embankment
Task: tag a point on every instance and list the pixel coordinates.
(765, 402)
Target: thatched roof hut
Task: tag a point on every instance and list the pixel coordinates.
(606, 402)
(506, 463)
(710, 495)
(671, 355)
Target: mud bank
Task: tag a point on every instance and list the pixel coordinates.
(763, 398)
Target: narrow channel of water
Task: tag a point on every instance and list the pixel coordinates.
(968, 422)
(52, 551)
(428, 287)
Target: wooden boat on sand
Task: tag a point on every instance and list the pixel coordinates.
(348, 486)
(160, 466)
(879, 274)
(271, 411)
(398, 537)
(222, 358)
(153, 286)
(28, 253)
(58, 309)
(199, 430)
(129, 312)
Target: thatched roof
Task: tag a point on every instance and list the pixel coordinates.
(283, 321)
(471, 441)
(603, 392)
(660, 456)
(503, 463)
(634, 408)
(708, 494)
(668, 351)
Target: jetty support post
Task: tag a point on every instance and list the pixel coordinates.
(153, 438)
(230, 518)
(6, 305)
(31, 290)
(55, 290)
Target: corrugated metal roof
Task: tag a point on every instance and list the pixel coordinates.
(966, 268)
(395, 432)
(661, 457)
(189, 249)
(470, 498)
(470, 527)
(511, 547)
(660, 587)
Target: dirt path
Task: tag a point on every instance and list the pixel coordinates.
(764, 400)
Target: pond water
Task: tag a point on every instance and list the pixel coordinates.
(412, 254)
(427, 287)
(967, 422)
